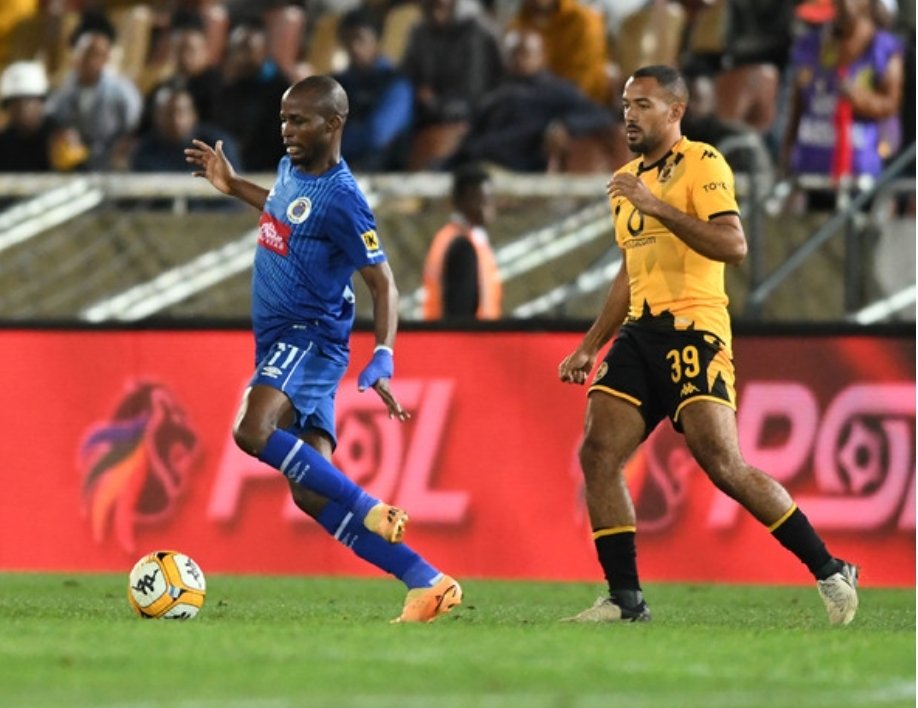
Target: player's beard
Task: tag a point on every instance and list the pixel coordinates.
(644, 144)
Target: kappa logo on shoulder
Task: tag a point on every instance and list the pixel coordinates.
(370, 240)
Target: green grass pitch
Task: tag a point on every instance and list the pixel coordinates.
(71, 640)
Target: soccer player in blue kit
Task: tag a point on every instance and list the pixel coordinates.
(316, 230)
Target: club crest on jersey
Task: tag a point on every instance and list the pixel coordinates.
(298, 210)
(666, 173)
(273, 234)
(370, 240)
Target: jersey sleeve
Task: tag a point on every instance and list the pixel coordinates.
(712, 188)
(352, 227)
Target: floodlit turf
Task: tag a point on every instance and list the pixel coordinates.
(71, 640)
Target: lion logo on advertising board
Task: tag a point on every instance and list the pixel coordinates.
(135, 465)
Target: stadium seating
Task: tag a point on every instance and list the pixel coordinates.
(396, 28)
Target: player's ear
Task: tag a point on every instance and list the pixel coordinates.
(335, 122)
(676, 111)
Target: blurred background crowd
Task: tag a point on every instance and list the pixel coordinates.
(524, 85)
(482, 131)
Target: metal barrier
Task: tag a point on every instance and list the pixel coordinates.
(578, 228)
(852, 198)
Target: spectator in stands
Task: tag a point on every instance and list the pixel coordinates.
(574, 39)
(285, 24)
(247, 103)
(844, 117)
(906, 112)
(526, 124)
(381, 99)
(758, 32)
(26, 140)
(191, 66)
(102, 106)
(175, 123)
(452, 62)
(701, 123)
(757, 41)
(461, 278)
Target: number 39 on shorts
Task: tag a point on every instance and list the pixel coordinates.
(684, 363)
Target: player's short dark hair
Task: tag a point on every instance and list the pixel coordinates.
(669, 78)
(359, 18)
(332, 96)
(470, 175)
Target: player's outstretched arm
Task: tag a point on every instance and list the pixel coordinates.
(216, 169)
(376, 375)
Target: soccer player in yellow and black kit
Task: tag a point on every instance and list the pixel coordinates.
(677, 223)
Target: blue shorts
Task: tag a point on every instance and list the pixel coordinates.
(308, 377)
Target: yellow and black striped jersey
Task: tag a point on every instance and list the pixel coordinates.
(672, 286)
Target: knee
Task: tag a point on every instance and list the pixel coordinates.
(251, 434)
(721, 468)
(597, 459)
(589, 453)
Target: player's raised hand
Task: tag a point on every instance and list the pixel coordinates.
(576, 367)
(215, 167)
(394, 407)
(629, 186)
(376, 375)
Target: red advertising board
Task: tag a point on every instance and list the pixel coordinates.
(119, 442)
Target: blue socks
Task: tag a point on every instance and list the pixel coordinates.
(394, 558)
(348, 505)
(302, 464)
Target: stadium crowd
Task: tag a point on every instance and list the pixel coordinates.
(525, 85)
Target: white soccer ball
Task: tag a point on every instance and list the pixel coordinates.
(166, 585)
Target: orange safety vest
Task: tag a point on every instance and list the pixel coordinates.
(489, 286)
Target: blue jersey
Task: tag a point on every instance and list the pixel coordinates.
(314, 233)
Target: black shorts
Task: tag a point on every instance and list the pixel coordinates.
(660, 371)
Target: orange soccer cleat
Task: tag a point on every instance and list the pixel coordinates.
(426, 604)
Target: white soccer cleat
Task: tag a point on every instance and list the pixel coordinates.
(839, 593)
(605, 610)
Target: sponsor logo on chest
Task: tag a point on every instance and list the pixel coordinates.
(274, 234)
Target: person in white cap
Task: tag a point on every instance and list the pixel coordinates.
(25, 141)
